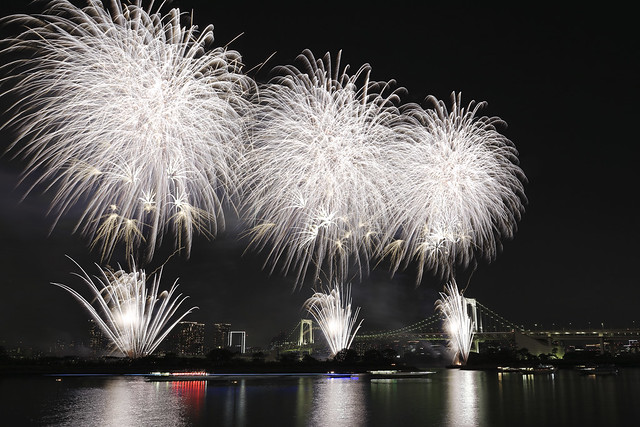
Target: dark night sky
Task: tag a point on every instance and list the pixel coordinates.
(564, 79)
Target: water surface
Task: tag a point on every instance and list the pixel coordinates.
(445, 398)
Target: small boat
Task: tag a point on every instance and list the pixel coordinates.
(178, 376)
(207, 376)
(597, 370)
(543, 369)
(508, 369)
(529, 370)
(394, 374)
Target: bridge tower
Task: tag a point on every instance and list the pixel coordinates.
(477, 320)
(306, 332)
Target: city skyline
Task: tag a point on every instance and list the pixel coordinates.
(563, 80)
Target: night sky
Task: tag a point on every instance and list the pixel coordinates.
(564, 79)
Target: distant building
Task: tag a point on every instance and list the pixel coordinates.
(279, 341)
(60, 348)
(187, 339)
(237, 341)
(98, 342)
(220, 338)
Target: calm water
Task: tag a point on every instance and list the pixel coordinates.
(445, 398)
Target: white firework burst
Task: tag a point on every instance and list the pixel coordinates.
(459, 189)
(457, 322)
(126, 111)
(133, 316)
(332, 311)
(315, 179)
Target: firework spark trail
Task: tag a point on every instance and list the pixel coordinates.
(459, 189)
(457, 324)
(332, 311)
(125, 110)
(133, 316)
(316, 179)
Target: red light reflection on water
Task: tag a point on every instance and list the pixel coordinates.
(192, 393)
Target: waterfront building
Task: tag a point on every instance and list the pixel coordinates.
(98, 342)
(237, 341)
(220, 335)
(188, 339)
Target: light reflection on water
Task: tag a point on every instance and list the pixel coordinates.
(114, 401)
(446, 398)
(339, 401)
(463, 398)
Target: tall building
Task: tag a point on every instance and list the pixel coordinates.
(186, 339)
(98, 342)
(190, 339)
(220, 337)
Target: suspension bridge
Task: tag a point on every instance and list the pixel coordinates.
(488, 326)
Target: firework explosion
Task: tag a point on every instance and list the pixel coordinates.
(125, 109)
(132, 316)
(457, 323)
(332, 311)
(459, 189)
(315, 180)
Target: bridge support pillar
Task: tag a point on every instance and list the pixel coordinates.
(477, 323)
(601, 339)
(306, 332)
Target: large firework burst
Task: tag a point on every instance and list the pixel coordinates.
(315, 178)
(457, 322)
(459, 189)
(133, 316)
(125, 110)
(332, 311)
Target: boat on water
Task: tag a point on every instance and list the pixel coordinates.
(508, 369)
(528, 370)
(206, 376)
(540, 369)
(597, 370)
(394, 374)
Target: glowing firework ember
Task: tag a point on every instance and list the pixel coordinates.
(457, 322)
(135, 318)
(125, 108)
(332, 311)
(459, 189)
(315, 181)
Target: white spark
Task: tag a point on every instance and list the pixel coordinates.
(133, 316)
(332, 311)
(459, 189)
(457, 324)
(124, 106)
(316, 172)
